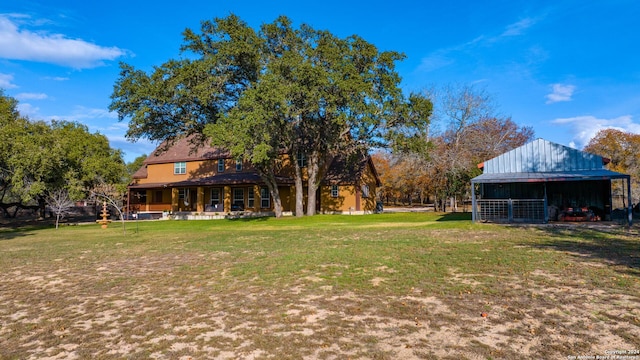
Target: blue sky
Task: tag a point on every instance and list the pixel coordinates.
(566, 68)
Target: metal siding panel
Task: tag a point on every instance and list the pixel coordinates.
(539, 155)
(520, 162)
(548, 159)
(549, 156)
(517, 160)
(568, 160)
(559, 164)
(575, 160)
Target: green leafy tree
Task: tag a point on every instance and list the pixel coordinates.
(136, 164)
(280, 90)
(37, 158)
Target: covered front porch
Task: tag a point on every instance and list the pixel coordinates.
(217, 196)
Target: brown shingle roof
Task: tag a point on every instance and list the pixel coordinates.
(185, 149)
(140, 173)
(349, 169)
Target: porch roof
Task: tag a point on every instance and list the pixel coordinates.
(216, 180)
(520, 177)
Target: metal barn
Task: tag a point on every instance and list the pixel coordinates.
(543, 181)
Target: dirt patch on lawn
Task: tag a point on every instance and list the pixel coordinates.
(143, 307)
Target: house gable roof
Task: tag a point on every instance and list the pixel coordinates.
(349, 170)
(185, 149)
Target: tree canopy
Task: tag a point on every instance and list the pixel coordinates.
(466, 131)
(37, 158)
(623, 150)
(273, 91)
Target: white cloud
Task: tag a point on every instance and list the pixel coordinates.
(518, 28)
(84, 114)
(560, 93)
(6, 81)
(20, 44)
(31, 96)
(446, 56)
(434, 61)
(28, 110)
(56, 78)
(584, 128)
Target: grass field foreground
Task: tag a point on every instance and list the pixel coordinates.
(388, 286)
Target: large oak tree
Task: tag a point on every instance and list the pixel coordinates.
(273, 91)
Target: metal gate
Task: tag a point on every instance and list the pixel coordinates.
(512, 210)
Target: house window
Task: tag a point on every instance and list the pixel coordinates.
(180, 168)
(215, 197)
(365, 191)
(250, 198)
(140, 197)
(220, 165)
(238, 198)
(302, 159)
(238, 164)
(181, 194)
(157, 196)
(334, 191)
(265, 201)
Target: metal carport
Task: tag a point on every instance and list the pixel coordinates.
(522, 184)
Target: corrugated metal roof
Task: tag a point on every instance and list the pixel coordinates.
(542, 161)
(542, 156)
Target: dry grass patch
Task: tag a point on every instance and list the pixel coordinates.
(324, 288)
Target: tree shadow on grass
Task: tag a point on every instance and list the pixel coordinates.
(11, 234)
(457, 216)
(249, 219)
(613, 246)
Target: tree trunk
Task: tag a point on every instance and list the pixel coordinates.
(269, 178)
(277, 203)
(313, 168)
(42, 206)
(299, 188)
(275, 195)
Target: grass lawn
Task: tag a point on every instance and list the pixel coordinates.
(388, 286)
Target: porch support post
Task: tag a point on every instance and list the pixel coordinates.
(174, 199)
(629, 205)
(256, 198)
(200, 199)
(149, 199)
(473, 202)
(227, 199)
(546, 204)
